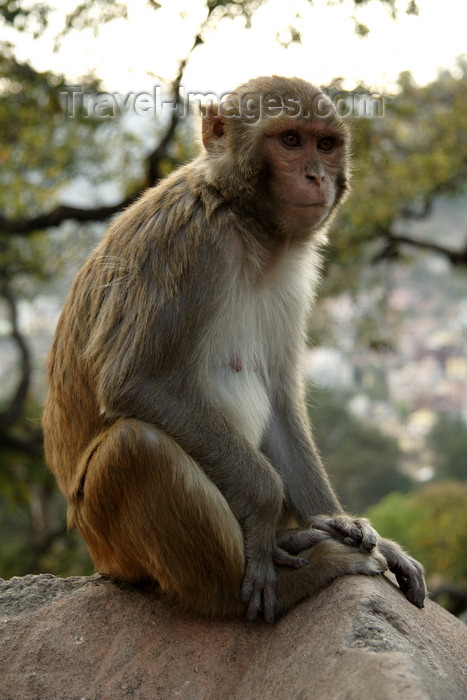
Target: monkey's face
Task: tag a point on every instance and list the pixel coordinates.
(303, 160)
(278, 150)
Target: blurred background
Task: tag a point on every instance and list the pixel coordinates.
(93, 110)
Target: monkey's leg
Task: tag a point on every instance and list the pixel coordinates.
(327, 560)
(146, 509)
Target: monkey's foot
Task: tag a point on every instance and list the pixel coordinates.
(328, 560)
(359, 533)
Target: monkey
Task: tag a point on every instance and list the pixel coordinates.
(175, 422)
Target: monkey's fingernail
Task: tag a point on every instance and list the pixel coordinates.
(350, 541)
(304, 561)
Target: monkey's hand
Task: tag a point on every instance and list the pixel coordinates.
(408, 571)
(259, 583)
(355, 532)
(359, 533)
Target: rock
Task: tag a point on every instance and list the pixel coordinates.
(93, 639)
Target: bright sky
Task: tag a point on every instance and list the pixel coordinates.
(134, 55)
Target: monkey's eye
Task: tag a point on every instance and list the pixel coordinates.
(291, 139)
(326, 144)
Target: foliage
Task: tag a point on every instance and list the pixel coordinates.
(25, 15)
(402, 162)
(361, 461)
(32, 512)
(43, 151)
(448, 443)
(432, 524)
(32, 519)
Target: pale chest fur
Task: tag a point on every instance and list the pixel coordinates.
(258, 331)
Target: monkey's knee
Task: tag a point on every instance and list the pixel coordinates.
(327, 560)
(147, 509)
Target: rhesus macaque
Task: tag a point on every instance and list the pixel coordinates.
(175, 423)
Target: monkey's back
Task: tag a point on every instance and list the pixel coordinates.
(129, 282)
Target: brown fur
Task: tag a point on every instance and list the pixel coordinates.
(175, 423)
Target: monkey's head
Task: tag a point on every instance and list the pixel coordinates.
(277, 147)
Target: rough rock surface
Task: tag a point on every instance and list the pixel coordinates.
(92, 639)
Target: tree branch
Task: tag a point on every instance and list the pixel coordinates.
(32, 445)
(391, 249)
(448, 186)
(63, 213)
(456, 257)
(162, 150)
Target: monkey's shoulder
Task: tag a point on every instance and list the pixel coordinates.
(179, 210)
(167, 205)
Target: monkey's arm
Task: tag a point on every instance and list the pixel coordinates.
(290, 448)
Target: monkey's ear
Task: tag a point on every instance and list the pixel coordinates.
(212, 126)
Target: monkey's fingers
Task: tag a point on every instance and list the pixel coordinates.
(351, 539)
(370, 537)
(339, 528)
(259, 590)
(408, 572)
(254, 602)
(295, 541)
(283, 558)
(269, 598)
(357, 533)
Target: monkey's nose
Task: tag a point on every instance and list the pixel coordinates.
(317, 178)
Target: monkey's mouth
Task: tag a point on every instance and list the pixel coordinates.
(307, 204)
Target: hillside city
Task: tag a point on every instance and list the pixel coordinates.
(403, 389)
